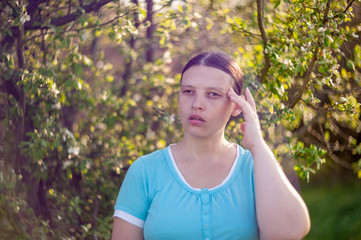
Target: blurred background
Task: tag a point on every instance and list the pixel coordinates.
(88, 86)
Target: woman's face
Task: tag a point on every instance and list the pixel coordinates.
(203, 103)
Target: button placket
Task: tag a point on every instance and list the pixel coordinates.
(206, 219)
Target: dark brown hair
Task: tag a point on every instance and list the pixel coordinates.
(222, 62)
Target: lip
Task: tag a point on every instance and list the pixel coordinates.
(196, 119)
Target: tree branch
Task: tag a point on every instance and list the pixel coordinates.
(60, 21)
(69, 7)
(260, 19)
(339, 161)
(149, 53)
(312, 63)
(338, 131)
(325, 17)
(102, 24)
(344, 11)
(19, 158)
(317, 108)
(330, 151)
(332, 156)
(246, 32)
(302, 130)
(33, 6)
(307, 78)
(8, 40)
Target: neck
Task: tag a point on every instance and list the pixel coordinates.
(203, 148)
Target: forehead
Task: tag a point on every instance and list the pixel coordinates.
(203, 76)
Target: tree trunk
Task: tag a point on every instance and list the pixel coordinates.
(129, 62)
(35, 195)
(150, 30)
(19, 159)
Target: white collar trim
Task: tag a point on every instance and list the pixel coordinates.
(183, 179)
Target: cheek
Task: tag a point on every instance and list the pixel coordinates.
(227, 104)
(224, 110)
(229, 109)
(182, 107)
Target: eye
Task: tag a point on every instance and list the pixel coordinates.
(187, 92)
(213, 94)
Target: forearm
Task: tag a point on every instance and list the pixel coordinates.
(123, 230)
(281, 212)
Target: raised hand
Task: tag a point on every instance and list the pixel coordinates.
(251, 129)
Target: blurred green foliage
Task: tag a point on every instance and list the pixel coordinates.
(89, 86)
(335, 211)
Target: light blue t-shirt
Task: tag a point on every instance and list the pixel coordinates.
(155, 196)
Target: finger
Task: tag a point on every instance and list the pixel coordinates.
(250, 99)
(237, 99)
(243, 127)
(242, 104)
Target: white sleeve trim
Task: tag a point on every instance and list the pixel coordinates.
(129, 218)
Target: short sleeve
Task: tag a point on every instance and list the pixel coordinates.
(133, 202)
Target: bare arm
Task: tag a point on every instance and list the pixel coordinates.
(123, 230)
(281, 212)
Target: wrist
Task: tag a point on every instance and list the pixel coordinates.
(258, 145)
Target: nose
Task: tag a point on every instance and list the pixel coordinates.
(198, 103)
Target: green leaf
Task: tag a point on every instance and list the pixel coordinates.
(350, 64)
(78, 69)
(43, 142)
(276, 3)
(327, 41)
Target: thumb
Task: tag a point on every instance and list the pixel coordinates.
(243, 126)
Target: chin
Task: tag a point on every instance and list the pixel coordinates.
(201, 134)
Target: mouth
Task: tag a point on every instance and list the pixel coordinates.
(196, 119)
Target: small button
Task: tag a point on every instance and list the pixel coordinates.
(207, 239)
(206, 226)
(205, 202)
(205, 211)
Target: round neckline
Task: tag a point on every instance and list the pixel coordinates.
(179, 176)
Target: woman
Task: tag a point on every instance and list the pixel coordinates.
(205, 187)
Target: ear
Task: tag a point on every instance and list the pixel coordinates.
(236, 111)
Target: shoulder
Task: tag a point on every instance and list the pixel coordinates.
(150, 161)
(148, 171)
(243, 152)
(245, 156)
(154, 156)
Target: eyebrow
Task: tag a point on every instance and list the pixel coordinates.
(208, 88)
